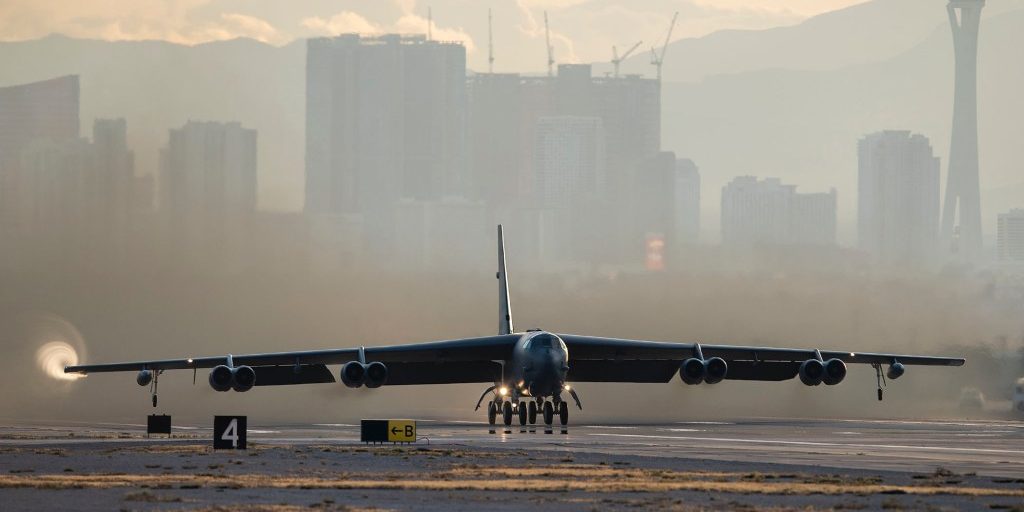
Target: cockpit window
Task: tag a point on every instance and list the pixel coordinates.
(542, 341)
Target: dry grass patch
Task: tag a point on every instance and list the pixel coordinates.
(584, 479)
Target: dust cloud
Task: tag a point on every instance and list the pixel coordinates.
(150, 315)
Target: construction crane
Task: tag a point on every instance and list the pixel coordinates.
(656, 58)
(547, 40)
(616, 60)
(490, 45)
(430, 24)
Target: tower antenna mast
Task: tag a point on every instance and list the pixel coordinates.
(656, 58)
(547, 40)
(490, 44)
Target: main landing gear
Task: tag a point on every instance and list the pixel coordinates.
(526, 412)
(509, 408)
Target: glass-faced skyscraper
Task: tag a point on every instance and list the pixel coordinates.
(385, 120)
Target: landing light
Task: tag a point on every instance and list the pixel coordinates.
(190, 360)
(567, 388)
(503, 391)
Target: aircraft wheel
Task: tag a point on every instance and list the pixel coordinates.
(492, 412)
(533, 412)
(563, 413)
(549, 413)
(522, 413)
(506, 412)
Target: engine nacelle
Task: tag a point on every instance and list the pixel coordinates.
(835, 372)
(895, 371)
(243, 378)
(692, 371)
(144, 377)
(376, 374)
(812, 371)
(221, 378)
(353, 374)
(715, 370)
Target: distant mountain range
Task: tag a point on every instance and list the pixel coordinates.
(788, 102)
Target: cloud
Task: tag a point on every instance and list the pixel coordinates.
(341, 23)
(408, 22)
(562, 45)
(241, 25)
(170, 20)
(581, 30)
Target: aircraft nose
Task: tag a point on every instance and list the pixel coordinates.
(556, 360)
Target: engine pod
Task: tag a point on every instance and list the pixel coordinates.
(715, 370)
(812, 371)
(835, 372)
(243, 378)
(376, 374)
(220, 378)
(353, 374)
(692, 371)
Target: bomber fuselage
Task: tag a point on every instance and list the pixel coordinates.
(540, 363)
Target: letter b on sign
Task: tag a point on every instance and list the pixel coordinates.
(229, 432)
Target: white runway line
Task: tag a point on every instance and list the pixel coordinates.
(814, 443)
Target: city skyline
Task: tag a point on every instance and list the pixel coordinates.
(575, 91)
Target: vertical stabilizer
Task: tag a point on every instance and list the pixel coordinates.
(504, 310)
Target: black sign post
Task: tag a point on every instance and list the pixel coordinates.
(158, 424)
(387, 431)
(229, 432)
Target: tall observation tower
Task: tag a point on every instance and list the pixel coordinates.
(963, 198)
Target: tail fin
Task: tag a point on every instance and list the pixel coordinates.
(504, 310)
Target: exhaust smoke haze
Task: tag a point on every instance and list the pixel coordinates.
(53, 356)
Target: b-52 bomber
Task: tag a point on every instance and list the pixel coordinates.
(529, 372)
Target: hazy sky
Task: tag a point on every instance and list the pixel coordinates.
(582, 30)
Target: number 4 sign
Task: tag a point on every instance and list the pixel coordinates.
(229, 432)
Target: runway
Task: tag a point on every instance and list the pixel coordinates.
(745, 464)
(991, 448)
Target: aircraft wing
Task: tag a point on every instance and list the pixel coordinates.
(436, 362)
(596, 359)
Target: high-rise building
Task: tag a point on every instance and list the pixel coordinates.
(686, 202)
(1010, 236)
(504, 109)
(898, 198)
(53, 200)
(666, 202)
(768, 212)
(39, 110)
(813, 218)
(117, 197)
(501, 125)
(385, 120)
(569, 159)
(961, 214)
(76, 199)
(444, 234)
(208, 178)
